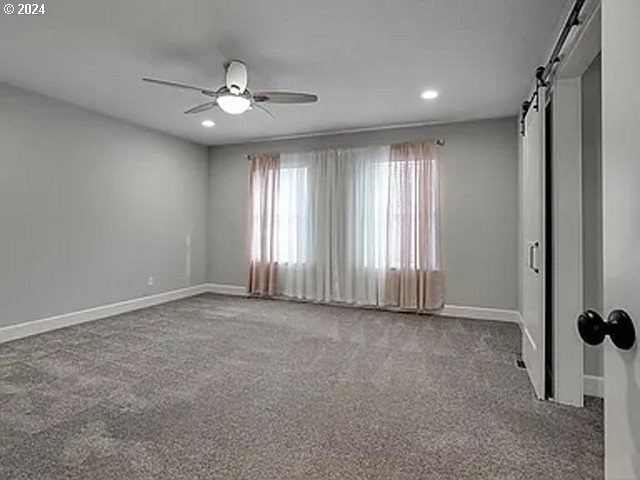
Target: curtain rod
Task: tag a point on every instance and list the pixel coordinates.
(439, 142)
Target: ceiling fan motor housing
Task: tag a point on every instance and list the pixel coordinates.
(236, 77)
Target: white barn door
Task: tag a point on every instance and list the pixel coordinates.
(533, 153)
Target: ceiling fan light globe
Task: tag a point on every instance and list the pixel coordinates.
(233, 104)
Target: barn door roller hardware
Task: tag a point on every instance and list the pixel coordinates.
(544, 72)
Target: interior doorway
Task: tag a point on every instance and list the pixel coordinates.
(552, 233)
(576, 215)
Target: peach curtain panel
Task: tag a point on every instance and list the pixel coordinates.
(414, 278)
(264, 182)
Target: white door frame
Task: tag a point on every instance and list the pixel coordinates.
(568, 302)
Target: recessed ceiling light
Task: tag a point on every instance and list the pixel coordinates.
(429, 94)
(208, 123)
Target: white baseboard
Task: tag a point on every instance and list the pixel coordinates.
(594, 386)
(481, 313)
(14, 332)
(478, 313)
(227, 289)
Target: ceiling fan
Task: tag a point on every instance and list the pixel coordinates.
(234, 97)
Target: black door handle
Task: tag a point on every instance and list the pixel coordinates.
(618, 326)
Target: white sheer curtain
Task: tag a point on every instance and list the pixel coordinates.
(344, 225)
(339, 197)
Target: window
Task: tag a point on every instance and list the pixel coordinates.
(357, 225)
(291, 217)
(378, 203)
(404, 230)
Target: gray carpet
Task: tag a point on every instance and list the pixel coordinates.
(231, 388)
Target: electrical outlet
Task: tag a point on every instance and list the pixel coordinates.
(151, 281)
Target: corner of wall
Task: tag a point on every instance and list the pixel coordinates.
(209, 225)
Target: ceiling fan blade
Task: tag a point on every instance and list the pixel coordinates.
(264, 110)
(184, 86)
(285, 97)
(201, 108)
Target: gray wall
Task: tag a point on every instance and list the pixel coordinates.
(480, 205)
(91, 207)
(592, 203)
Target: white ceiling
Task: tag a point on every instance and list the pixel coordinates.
(368, 60)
